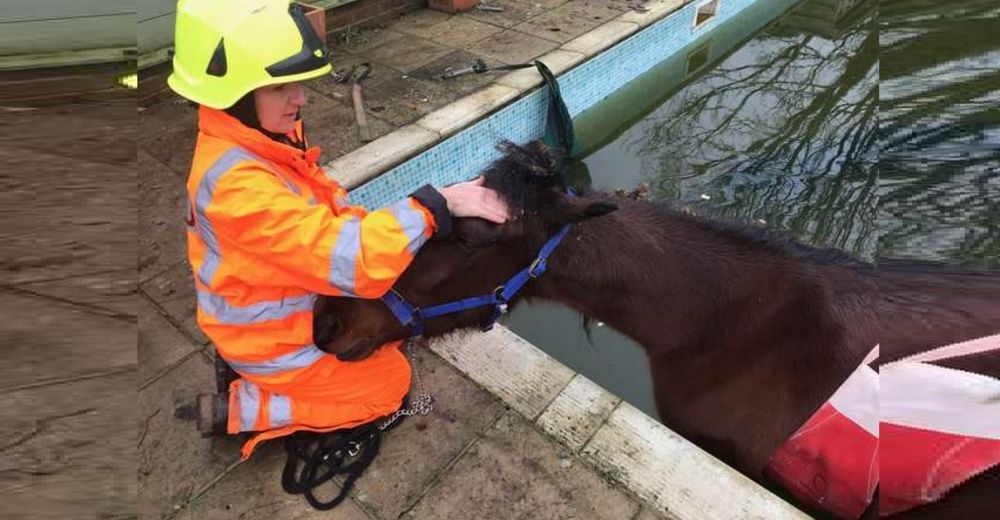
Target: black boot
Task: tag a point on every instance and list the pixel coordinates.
(224, 375)
(213, 414)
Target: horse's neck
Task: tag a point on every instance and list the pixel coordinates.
(742, 343)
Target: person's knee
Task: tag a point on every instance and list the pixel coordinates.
(400, 383)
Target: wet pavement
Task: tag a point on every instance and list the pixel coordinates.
(101, 355)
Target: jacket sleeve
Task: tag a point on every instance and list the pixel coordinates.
(351, 253)
(426, 195)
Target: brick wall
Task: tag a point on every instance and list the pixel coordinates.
(364, 13)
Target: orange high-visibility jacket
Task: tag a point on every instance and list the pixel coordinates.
(267, 232)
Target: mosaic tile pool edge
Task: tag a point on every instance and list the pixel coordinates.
(470, 151)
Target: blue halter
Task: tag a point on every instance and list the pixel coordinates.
(558, 133)
(413, 316)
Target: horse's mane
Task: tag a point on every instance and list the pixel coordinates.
(778, 241)
(523, 170)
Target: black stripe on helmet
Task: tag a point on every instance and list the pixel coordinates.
(313, 54)
(217, 65)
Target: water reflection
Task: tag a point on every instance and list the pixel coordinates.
(783, 131)
(940, 131)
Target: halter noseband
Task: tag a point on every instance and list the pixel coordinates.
(413, 316)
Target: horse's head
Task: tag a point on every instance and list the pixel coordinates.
(474, 260)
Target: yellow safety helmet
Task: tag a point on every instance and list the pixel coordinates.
(224, 49)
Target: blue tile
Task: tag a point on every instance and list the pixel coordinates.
(469, 152)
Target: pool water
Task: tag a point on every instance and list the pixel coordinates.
(790, 126)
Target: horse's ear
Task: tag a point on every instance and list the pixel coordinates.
(576, 209)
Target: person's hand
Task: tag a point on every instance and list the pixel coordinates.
(471, 199)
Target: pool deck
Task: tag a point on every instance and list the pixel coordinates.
(514, 433)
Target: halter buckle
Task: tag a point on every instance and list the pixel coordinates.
(533, 269)
(501, 302)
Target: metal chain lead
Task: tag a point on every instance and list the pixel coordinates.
(422, 404)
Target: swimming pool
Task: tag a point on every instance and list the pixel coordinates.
(613, 98)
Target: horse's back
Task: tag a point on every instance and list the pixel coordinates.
(925, 305)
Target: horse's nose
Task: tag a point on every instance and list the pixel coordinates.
(326, 327)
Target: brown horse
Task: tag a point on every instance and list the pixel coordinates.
(747, 332)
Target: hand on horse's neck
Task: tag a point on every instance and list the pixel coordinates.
(742, 341)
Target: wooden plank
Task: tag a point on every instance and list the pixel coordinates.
(66, 59)
(61, 84)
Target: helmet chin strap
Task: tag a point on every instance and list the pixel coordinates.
(245, 110)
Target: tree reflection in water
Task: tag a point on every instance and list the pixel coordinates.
(940, 131)
(783, 131)
(804, 128)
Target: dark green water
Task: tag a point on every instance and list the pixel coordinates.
(873, 132)
(939, 130)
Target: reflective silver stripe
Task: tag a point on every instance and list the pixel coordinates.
(249, 396)
(345, 254)
(203, 197)
(291, 185)
(412, 221)
(224, 312)
(301, 358)
(280, 410)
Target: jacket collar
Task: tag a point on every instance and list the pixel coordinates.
(219, 124)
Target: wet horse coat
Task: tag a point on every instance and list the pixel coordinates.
(732, 318)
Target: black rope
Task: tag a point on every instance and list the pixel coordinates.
(316, 458)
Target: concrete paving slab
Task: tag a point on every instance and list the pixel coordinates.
(83, 224)
(167, 131)
(514, 13)
(648, 513)
(162, 215)
(367, 162)
(657, 9)
(160, 344)
(601, 38)
(361, 41)
(252, 491)
(526, 378)
(395, 96)
(569, 20)
(462, 85)
(546, 4)
(331, 124)
(674, 475)
(416, 21)
(515, 472)
(103, 132)
(415, 454)
(577, 412)
(558, 61)
(408, 53)
(174, 460)
(69, 449)
(512, 47)
(457, 31)
(45, 341)
(114, 291)
(455, 116)
(173, 291)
